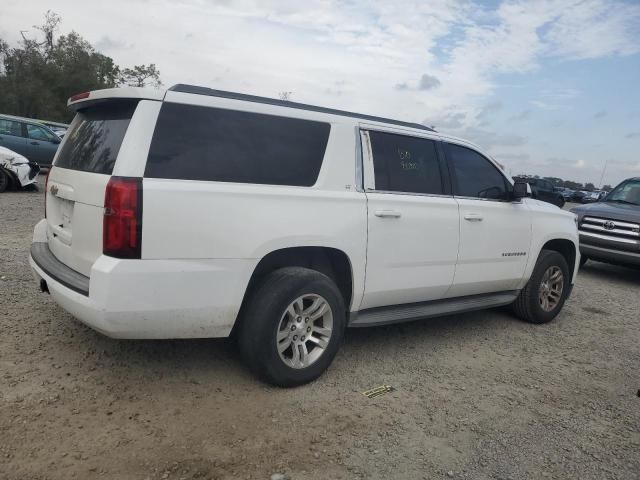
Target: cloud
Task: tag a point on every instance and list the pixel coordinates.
(410, 66)
(449, 121)
(600, 114)
(428, 82)
(523, 115)
(489, 139)
(107, 44)
(542, 105)
(594, 28)
(632, 135)
(487, 112)
(517, 157)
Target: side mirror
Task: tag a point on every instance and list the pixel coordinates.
(56, 140)
(520, 190)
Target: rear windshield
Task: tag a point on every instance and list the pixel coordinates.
(93, 142)
(211, 144)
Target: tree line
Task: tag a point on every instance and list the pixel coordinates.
(559, 182)
(38, 75)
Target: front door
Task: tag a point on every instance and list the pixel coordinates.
(413, 227)
(41, 144)
(495, 233)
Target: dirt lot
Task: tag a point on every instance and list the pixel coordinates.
(479, 396)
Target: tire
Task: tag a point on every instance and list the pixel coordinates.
(561, 202)
(583, 260)
(270, 313)
(4, 181)
(528, 305)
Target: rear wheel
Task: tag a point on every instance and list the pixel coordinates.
(583, 260)
(292, 326)
(545, 293)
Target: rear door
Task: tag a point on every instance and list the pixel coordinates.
(495, 233)
(11, 136)
(412, 220)
(41, 144)
(77, 182)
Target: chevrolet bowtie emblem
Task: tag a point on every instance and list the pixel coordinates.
(53, 190)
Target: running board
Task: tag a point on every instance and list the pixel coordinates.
(435, 308)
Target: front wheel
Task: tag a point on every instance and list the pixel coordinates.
(544, 295)
(292, 326)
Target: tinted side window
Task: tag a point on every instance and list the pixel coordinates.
(203, 143)
(405, 164)
(475, 175)
(9, 127)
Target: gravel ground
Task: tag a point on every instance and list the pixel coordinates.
(479, 395)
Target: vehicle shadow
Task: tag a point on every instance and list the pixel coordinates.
(612, 273)
(218, 361)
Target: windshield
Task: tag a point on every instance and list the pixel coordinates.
(626, 192)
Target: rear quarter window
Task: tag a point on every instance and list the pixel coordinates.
(93, 142)
(212, 144)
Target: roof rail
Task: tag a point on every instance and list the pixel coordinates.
(182, 88)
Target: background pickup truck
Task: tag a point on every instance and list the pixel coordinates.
(610, 229)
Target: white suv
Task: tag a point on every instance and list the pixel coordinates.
(201, 213)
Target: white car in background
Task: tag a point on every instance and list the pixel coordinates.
(16, 170)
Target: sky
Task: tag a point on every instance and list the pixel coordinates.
(547, 87)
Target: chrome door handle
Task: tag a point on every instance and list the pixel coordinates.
(387, 213)
(473, 217)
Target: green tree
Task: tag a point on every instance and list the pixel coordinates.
(39, 74)
(140, 76)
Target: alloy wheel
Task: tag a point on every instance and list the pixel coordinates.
(304, 331)
(551, 287)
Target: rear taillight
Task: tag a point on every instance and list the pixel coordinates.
(122, 221)
(46, 189)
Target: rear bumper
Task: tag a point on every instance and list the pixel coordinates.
(153, 299)
(609, 255)
(58, 271)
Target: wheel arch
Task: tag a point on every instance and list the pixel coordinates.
(332, 262)
(566, 248)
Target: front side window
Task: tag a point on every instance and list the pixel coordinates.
(9, 127)
(405, 164)
(37, 133)
(475, 176)
(212, 144)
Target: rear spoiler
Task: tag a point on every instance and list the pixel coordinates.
(86, 99)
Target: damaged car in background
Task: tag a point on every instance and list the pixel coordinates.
(16, 171)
